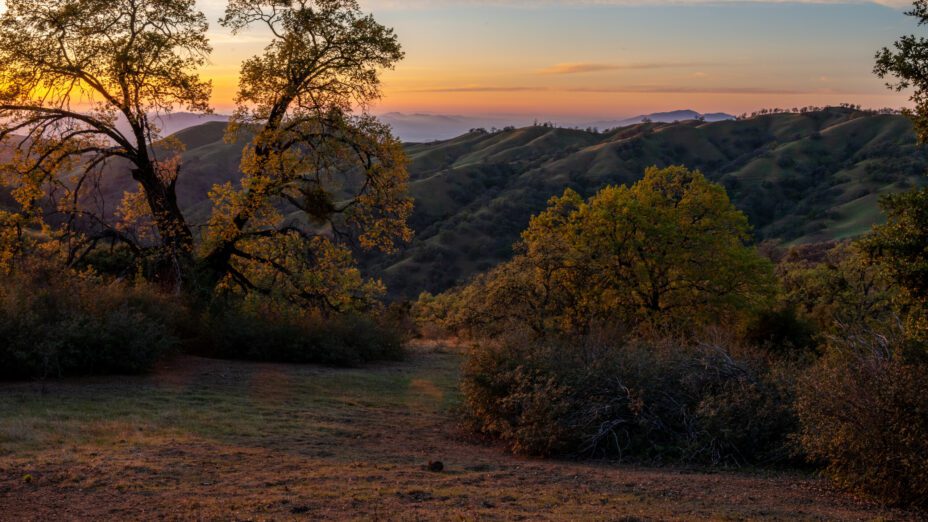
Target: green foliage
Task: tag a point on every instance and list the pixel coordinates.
(474, 194)
(900, 249)
(57, 323)
(263, 330)
(905, 63)
(837, 291)
(657, 401)
(668, 252)
(783, 332)
(864, 412)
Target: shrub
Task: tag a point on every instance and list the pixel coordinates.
(640, 400)
(782, 332)
(261, 330)
(56, 323)
(836, 287)
(864, 413)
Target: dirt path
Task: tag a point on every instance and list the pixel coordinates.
(216, 440)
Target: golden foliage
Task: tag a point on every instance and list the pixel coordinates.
(668, 252)
(864, 412)
(317, 178)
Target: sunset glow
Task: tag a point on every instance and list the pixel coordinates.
(575, 59)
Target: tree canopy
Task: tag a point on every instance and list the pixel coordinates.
(904, 65)
(899, 249)
(84, 82)
(317, 179)
(670, 251)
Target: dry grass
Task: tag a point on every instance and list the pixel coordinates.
(216, 440)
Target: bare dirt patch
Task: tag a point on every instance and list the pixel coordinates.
(218, 440)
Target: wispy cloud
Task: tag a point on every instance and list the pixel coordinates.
(583, 67)
(405, 4)
(577, 68)
(635, 89)
(664, 89)
(482, 89)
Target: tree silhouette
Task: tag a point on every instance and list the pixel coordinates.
(905, 63)
(71, 72)
(83, 82)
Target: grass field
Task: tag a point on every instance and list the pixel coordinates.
(216, 440)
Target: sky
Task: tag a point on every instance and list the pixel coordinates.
(576, 60)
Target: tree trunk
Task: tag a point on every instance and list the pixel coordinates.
(176, 255)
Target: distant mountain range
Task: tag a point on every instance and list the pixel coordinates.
(177, 121)
(799, 178)
(420, 128)
(660, 117)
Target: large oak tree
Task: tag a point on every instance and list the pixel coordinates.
(85, 80)
(321, 176)
(82, 83)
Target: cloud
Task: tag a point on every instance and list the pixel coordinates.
(636, 89)
(581, 67)
(406, 4)
(577, 68)
(661, 89)
(481, 89)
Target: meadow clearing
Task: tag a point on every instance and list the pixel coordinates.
(220, 440)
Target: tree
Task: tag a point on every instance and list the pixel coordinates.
(900, 246)
(317, 179)
(905, 63)
(82, 84)
(668, 252)
(843, 289)
(321, 178)
(900, 250)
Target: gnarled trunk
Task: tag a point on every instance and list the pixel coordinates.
(176, 248)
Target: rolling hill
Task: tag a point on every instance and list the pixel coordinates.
(422, 128)
(661, 117)
(799, 177)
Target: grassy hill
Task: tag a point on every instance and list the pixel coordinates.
(799, 177)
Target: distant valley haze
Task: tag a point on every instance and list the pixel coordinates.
(424, 127)
(429, 127)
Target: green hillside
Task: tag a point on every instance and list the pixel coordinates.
(799, 177)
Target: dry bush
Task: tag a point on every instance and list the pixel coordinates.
(643, 400)
(864, 413)
(264, 330)
(55, 323)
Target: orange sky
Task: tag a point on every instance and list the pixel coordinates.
(586, 59)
